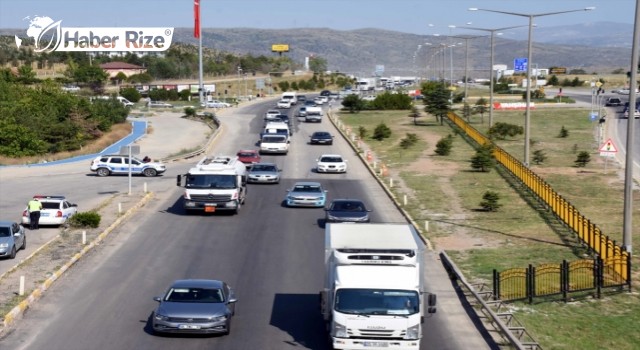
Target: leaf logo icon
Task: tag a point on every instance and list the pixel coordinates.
(52, 32)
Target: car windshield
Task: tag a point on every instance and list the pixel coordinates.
(377, 301)
(348, 206)
(321, 134)
(331, 159)
(271, 139)
(246, 154)
(261, 167)
(211, 181)
(307, 188)
(5, 231)
(194, 295)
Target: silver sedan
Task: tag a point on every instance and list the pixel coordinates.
(195, 306)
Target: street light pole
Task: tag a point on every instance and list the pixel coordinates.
(239, 72)
(527, 115)
(491, 70)
(466, 39)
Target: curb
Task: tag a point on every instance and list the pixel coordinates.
(10, 317)
(333, 117)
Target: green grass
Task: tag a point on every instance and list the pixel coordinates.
(518, 234)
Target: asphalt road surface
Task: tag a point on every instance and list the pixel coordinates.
(271, 255)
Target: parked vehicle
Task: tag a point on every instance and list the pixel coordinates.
(195, 306)
(216, 104)
(12, 238)
(374, 286)
(264, 173)
(118, 164)
(306, 194)
(56, 210)
(217, 183)
(159, 104)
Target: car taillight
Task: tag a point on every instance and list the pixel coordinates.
(25, 213)
(58, 214)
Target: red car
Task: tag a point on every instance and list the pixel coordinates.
(249, 157)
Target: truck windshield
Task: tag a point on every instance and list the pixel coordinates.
(211, 181)
(272, 139)
(377, 301)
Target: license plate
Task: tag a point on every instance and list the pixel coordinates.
(376, 344)
(188, 326)
(209, 209)
(44, 214)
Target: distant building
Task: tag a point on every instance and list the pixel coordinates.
(128, 69)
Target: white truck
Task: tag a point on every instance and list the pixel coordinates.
(217, 183)
(373, 296)
(291, 96)
(313, 114)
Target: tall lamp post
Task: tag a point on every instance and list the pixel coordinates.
(239, 73)
(527, 115)
(493, 32)
(466, 39)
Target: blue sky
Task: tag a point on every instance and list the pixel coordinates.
(409, 16)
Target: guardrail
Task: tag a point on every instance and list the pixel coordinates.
(504, 322)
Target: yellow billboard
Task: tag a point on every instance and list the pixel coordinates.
(280, 48)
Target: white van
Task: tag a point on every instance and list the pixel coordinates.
(291, 96)
(277, 128)
(124, 101)
(274, 143)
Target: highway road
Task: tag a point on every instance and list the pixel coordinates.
(616, 123)
(271, 255)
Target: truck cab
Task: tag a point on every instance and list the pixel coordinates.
(217, 183)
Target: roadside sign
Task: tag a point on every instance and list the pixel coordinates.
(608, 149)
(520, 64)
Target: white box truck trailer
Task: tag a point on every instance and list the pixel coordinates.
(374, 296)
(217, 183)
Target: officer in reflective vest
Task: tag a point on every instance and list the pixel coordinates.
(34, 207)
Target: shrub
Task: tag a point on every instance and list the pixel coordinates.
(483, 160)
(189, 111)
(443, 147)
(131, 94)
(563, 132)
(85, 219)
(362, 132)
(381, 132)
(490, 201)
(539, 156)
(582, 159)
(408, 141)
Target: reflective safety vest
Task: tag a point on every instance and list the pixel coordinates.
(34, 205)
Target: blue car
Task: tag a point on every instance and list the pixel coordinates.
(306, 194)
(12, 239)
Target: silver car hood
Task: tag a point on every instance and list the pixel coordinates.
(192, 310)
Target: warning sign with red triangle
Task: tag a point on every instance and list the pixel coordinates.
(609, 147)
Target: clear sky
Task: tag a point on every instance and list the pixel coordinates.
(409, 16)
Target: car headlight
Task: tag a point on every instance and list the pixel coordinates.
(339, 331)
(160, 317)
(218, 318)
(413, 332)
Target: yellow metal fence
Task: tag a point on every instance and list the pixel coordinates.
(614, 257)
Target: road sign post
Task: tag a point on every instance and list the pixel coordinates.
(608, 150)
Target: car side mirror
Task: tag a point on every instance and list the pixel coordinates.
(233, 300)
(158, 299)
(73, 205)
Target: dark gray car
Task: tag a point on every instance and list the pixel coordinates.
(347, 210)
(12, 239)
(195, 306)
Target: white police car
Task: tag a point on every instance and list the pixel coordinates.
(106, 165)
(56, 210)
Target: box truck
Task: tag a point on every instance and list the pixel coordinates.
(374, 296)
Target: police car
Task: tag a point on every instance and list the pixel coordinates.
(106, 165)
(56, 210)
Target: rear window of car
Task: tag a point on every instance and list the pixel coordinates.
(50, 205)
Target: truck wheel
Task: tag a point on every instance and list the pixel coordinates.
(103, 172)
(149, 172)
